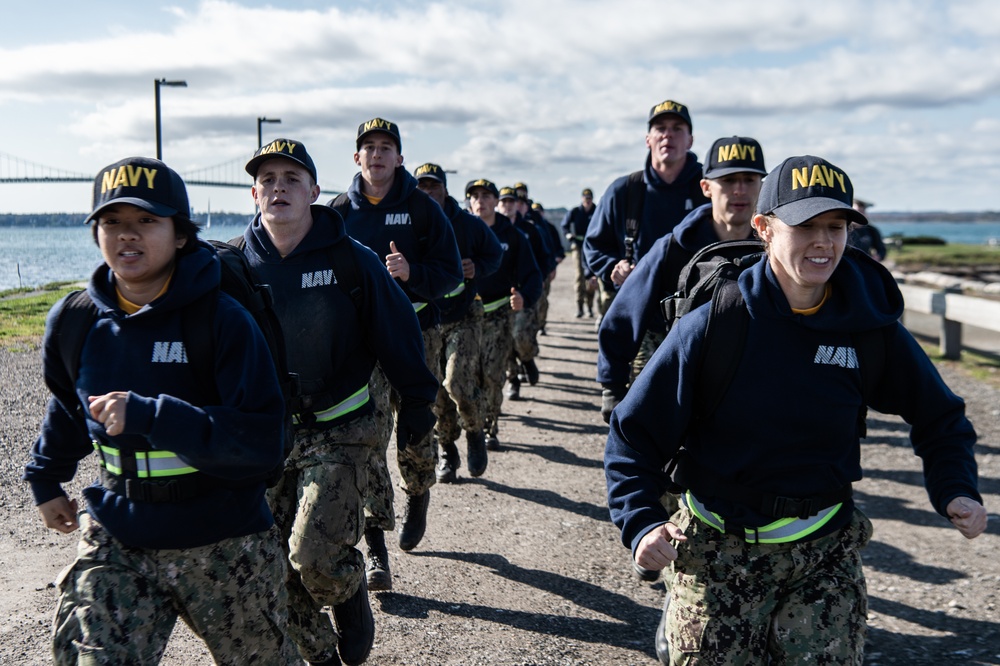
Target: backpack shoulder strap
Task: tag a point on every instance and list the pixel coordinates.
(635, 198)
(340, 203)
(70, 328)
(239, 242)
(722, 349)
(345, 265)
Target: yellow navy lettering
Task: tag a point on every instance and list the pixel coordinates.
(127, 176)
(737, 152)
(820, 175)
(668, 105)
(279, 146)
(169, 352)
(378, 124)
(318, 279)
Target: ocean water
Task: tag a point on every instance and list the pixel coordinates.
(32, 256)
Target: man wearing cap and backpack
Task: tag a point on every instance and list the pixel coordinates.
(384, 210)
(333, 297)
(574, 226)
(459, 401)
(643, 206)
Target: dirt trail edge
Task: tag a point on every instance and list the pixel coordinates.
(522, 565)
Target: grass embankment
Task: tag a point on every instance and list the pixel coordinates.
(23, 311)
(951, 256)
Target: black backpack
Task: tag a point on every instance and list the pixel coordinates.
(240, 281)
(635, 200)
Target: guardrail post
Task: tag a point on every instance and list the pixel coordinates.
(951, 333)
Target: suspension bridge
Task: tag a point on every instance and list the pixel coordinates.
(227, 174)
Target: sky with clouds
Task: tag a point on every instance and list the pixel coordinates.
(903, 95)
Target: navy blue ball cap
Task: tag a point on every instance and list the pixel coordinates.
(508, 193)
(735, 154)
(287, 148)
(802, 187)
(671, 107)
(432, 171)
(144, 182)
(487, 185)
(379, 125)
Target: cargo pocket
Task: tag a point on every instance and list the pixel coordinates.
(685, 629)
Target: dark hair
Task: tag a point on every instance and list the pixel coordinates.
(183, 226)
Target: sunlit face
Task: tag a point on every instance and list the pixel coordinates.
(734, 197)
(435, 189)
(482, 203)
(669, 139)
(507, 207)
(139, 247)
(283, 190)
(378, 158)
(804, 257)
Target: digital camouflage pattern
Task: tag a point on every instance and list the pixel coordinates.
(318, 506)
(650, 341)
(459, 400)
(379, 511)
(581, 281)
(118, 604)
(495, 352)
(524, 333)
(542, 306)
(790, 603)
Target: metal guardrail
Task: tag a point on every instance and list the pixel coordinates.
(954, 309)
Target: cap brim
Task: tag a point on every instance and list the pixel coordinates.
(427, 176)
(719, 173)
(155, 208)
(667, 113)
(803, 210)
(254, 164)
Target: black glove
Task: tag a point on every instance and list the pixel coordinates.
(610, 397)
(413, 423)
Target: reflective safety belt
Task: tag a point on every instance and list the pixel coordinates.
(490, 307)
(458, 290)
(149, 464)
(356, 400)
(784, 530)
(417, 307)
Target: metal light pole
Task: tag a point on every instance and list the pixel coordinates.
(260, 140)
(156, 85)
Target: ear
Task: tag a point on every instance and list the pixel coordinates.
(762, 228)
(181, 241)
(706, 188)
(399, 160)
(357, 158)
(314, 193)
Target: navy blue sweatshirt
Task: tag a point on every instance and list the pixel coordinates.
(807, 442)
(517, 268)
(664, 207)
(475, 242)
(332, 343)
(575, 224)
(235, 443)
(636, 307)
(435, 265)
(539, 243)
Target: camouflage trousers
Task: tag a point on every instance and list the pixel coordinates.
(786, 603)
(495, 353)
(416, 462)
(118, 604)
(650, 342)
(525, 334)
(319, 507)
(606, 295)
(584, 293)
(542, 306)
(459, 400)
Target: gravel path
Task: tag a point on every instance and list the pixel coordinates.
(522, 565)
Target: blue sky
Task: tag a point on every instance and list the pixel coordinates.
(903, 95)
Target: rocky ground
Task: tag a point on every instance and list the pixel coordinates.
(522, 566)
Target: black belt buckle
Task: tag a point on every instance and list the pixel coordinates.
(791, 507)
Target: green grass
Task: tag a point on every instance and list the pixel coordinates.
(22, 318)
(952, 255)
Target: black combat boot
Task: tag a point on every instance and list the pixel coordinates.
(447, 471)
(513, 389)
(377, 561)
(531, 371)
(661, 644)
(476, 455)
(355, 626)
(414, 520)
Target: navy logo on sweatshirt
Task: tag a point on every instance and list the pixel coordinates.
(397, 218)
(845, 357)
(505, 246)
(318, 279)
(169, 352)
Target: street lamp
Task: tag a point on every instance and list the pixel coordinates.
(260, 141)
(157, 83)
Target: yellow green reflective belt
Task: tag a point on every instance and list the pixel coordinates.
(490, 307)
(346, 406)
(458, 290)
(149, 464)
(783, 530)
(417, 307)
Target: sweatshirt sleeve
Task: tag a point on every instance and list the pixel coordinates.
(529, 277)
(439, 267)
(487, 251)
(604, 244)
